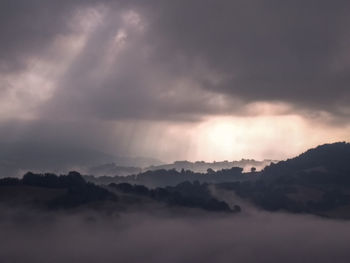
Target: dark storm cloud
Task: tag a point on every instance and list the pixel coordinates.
(131, 79)
(27, 27)
(164, 60)
(61, 146)
(290, 51)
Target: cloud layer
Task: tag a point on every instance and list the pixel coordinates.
(183, 58)
(136, 237)
(102, 68)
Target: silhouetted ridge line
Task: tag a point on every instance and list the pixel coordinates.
(316, 182)
(71, 191)
(76, 190)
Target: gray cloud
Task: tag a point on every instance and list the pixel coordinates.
(269, 50)
(27, 28)
(135, 83)
(293, 52)
(52, 146)
(176, 61)
(60, 146)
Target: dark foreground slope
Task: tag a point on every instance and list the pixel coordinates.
(317, 182)
(52, 191)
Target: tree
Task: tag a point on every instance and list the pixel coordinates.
(210, 171)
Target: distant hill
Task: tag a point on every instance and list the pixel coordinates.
(111, 169)
(163, 178)
(138, 161)
(17, 158)
(330, 162)
(52, 192)
(202, 167)
(49, 191)
(186, 194)
(121, 168)
(316, 182)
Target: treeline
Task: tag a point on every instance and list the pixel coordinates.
(332, 160)
(185, 194)
(202, 167)
(78, 191)
(276, 196)
(162, 178)
(313, 182)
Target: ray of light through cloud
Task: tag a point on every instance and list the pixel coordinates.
(135, 83)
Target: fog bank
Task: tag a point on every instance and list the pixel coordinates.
(29, 236)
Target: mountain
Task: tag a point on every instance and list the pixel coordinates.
(137, 161)
(18, 158)
(202, 167)
(335, 156)
(328, 162)
(316, 182)
(111, 169)
(124, 166)
(49, 191)
(186, 194)
(163, 178)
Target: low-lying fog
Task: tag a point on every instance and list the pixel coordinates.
(30, 236)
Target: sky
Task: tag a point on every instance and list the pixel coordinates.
(88, 80)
